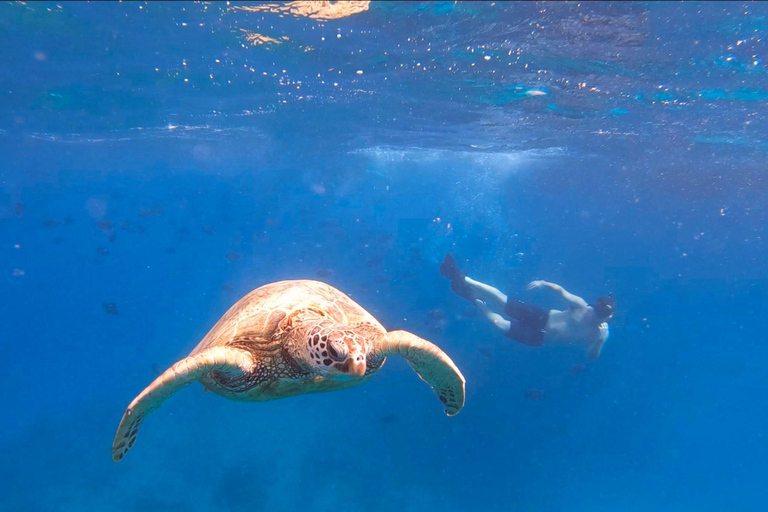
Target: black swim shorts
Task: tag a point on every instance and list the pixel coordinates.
(528, 322)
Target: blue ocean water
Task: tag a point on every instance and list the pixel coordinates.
(161, 160)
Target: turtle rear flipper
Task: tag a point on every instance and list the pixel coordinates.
(431, 364)
(184, 372)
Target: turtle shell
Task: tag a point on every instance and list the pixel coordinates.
(267, 310)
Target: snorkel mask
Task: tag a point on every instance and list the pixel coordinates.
(605, 307)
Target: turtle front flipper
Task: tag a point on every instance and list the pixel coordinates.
(431, 364)
(184, 372)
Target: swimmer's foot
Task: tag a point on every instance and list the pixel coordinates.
(449, 269)
(482, 307)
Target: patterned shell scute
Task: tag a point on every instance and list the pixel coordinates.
(263, 313)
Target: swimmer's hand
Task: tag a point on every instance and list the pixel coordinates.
(535, 285)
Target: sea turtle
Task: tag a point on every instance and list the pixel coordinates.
(288, 338)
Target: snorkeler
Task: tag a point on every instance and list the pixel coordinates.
(581, 324)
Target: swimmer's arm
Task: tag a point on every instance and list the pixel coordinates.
(573, 300)
(593, 353)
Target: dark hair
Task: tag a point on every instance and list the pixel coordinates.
(605, 307)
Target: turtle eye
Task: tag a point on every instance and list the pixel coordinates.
(337, 350)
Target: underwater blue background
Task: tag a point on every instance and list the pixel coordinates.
(157, 165)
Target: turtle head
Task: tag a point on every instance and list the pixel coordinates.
(336, 351)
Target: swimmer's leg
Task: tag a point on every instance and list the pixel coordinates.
(470, 289)
(487, 294)
(497, 320)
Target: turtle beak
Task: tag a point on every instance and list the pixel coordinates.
(356, 366)
(353, 366)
